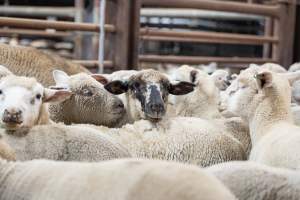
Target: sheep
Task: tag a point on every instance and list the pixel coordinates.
(120, 75)
(273, 67)
(90, 102)
(158, 136)
(27, 129)
(126, 179)
(203, 103)
(250, 180)
(225, 94)
(221, 78)
(263, 99)
(294, 67)
(182, 139)
(146, 94)
(27, 61)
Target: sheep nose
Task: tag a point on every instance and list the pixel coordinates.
(12, 116)
(156, 107)
(227, 82)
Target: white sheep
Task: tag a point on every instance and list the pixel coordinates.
(122, 75)
(90, 102)
(88, 99)
(221, 78)
(203, 102)
(272, 67)
(28, 61)
(294, 67)
(263, 99)
(28, 130)
(182, 139)
(250, 180)
(224, 95)
(111, 180)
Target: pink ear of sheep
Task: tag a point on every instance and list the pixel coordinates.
(264, 79)
(100, 78)
(53, 95)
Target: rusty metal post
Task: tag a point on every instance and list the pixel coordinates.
(286, 31)
(123, 45)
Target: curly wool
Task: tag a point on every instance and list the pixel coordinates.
(182, 139)
(60, 142)
(27, 61)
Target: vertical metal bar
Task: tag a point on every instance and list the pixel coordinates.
(267, 32)
(101, 36)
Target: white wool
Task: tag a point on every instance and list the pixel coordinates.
(249, 180)
(113, 180)
(264, 102)
(183, 139)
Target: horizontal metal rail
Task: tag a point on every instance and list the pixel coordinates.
(257, 9)
(28, 32)
(38, 11)
(201, 36)
(58, 25)
(200, 60)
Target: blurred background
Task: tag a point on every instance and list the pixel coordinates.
(148, 33)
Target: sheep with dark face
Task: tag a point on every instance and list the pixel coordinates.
(146, 94)
(90, 102)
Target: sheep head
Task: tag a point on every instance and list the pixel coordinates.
(256, 86)
(148, 92)
(90, 102)
(22, 99)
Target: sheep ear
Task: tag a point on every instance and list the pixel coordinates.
(100, 78)
(52, 95)
(60, 77)
(117, 87)
(264, 79)
(292, 76)
(193, 76)
(181, 88)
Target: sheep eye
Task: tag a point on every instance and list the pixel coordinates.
(87, 92)
(136, 85)
(1, 92)
(38, 96)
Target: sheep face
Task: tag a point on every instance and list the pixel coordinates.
(222, 79)
(89, 103)
(148, 92)
(21, 101)
(255, 85)
(205, 84)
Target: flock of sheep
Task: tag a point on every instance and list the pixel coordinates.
(146, 134)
